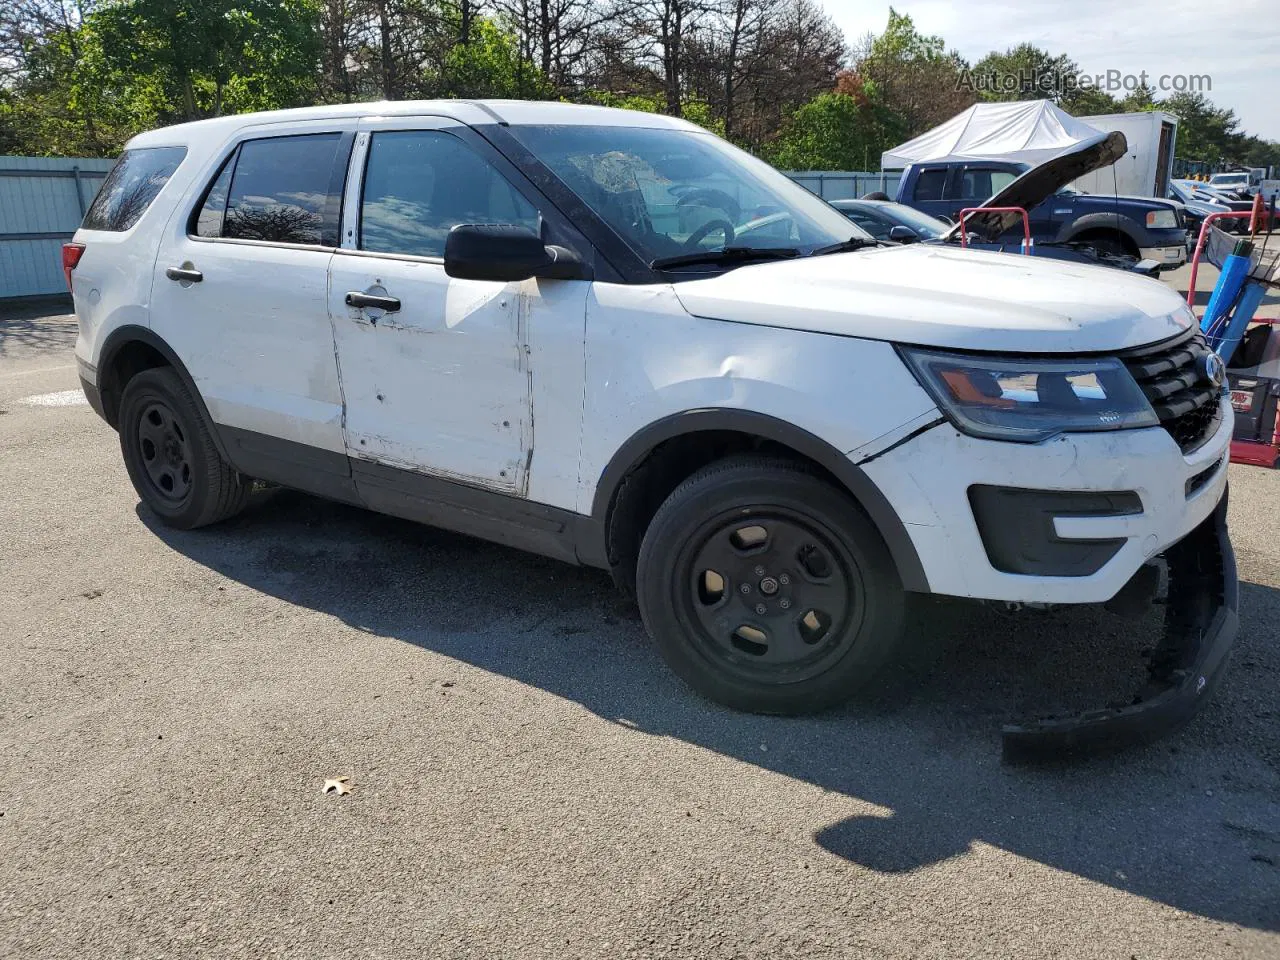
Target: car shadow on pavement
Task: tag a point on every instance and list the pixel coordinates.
(1192, 821)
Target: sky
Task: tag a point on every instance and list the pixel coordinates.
(1236, 44)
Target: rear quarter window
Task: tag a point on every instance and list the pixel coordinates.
(136, 179)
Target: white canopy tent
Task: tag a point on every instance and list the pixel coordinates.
(1028, 131)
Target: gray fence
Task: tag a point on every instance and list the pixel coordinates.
(845, 184)
(42, 200)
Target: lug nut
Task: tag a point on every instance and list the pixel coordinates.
(784, 604)
(759, 571)
(784, 579)
(745, 588)
(761, 609)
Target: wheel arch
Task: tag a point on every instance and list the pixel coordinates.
(1105, 223)
(129, 350)
(712, 427)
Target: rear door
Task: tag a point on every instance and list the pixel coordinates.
(240, 290)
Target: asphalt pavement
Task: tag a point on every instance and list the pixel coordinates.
(528, 780)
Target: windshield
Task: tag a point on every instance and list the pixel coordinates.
(1223, 179)
(670, 193)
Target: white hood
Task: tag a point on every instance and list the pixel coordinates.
(942, 296)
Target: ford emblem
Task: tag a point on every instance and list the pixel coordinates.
(1213, 369)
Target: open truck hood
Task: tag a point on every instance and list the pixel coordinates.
(1042, 181)
(942, 296)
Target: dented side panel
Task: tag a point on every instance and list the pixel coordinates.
(647, 359)
(444, 385)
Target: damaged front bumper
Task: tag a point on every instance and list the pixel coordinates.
(1201, 621)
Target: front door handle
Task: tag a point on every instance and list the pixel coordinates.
(184, 274)
(361, 300)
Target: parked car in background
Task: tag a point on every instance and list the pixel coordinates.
(1242, 182)
(1219, 201)
(1196, 205)
(1142, 228)
(891, 222)
(896, 222)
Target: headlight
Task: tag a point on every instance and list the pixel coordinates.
(1008, 398)
(1162, 219)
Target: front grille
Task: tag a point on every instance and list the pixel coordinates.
(1170, 376)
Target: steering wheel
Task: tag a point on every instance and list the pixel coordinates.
(710, 227)
(708, 197)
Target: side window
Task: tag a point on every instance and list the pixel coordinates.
(132, 184)
(282, 189)
(419, 184)
(1001, 179)
(930, 183)
(979, 184)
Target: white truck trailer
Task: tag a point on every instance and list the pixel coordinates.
(1147, 165)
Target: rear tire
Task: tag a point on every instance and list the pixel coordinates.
(767, 589)
(171, 457)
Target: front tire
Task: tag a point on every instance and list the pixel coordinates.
(171, 457)
(767, 589)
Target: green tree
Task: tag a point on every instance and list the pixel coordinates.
(1139, 100)
(1205, 131)
(212, 55)
(1088, 101)
(837, 131)
(489, 65)
(914, 74)
(1024, 72)
(693, 110)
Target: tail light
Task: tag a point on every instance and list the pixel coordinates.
(71, 254)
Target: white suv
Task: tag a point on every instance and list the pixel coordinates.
(615, 339)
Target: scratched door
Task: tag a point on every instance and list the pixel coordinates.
(434, 370)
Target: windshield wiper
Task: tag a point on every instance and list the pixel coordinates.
(727, 255)
(853, 243)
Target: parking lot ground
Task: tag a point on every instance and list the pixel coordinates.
(528, 780)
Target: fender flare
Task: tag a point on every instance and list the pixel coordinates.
(129, 333)
(860, 486)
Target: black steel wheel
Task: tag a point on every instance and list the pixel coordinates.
(166, 457)
(767, 589)
(170, 454)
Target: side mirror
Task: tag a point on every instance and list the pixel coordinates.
(902, 234)
(507, 252)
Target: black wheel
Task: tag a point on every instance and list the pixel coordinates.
(171, 457)
(767, 589)
(1109, 246)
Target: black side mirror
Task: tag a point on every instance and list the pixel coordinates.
(902, 234)
(507, 252)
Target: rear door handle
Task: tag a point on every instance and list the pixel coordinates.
(361, 300)
(184, 274)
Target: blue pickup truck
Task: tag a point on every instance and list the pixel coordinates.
(1139, 227)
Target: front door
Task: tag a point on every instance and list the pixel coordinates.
(435, 371)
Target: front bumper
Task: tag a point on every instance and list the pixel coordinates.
(1165, 256)
(927, 482)
(1201, 621)
(1153, 501)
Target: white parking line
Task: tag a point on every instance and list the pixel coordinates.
(63, 398)
(31, 373)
